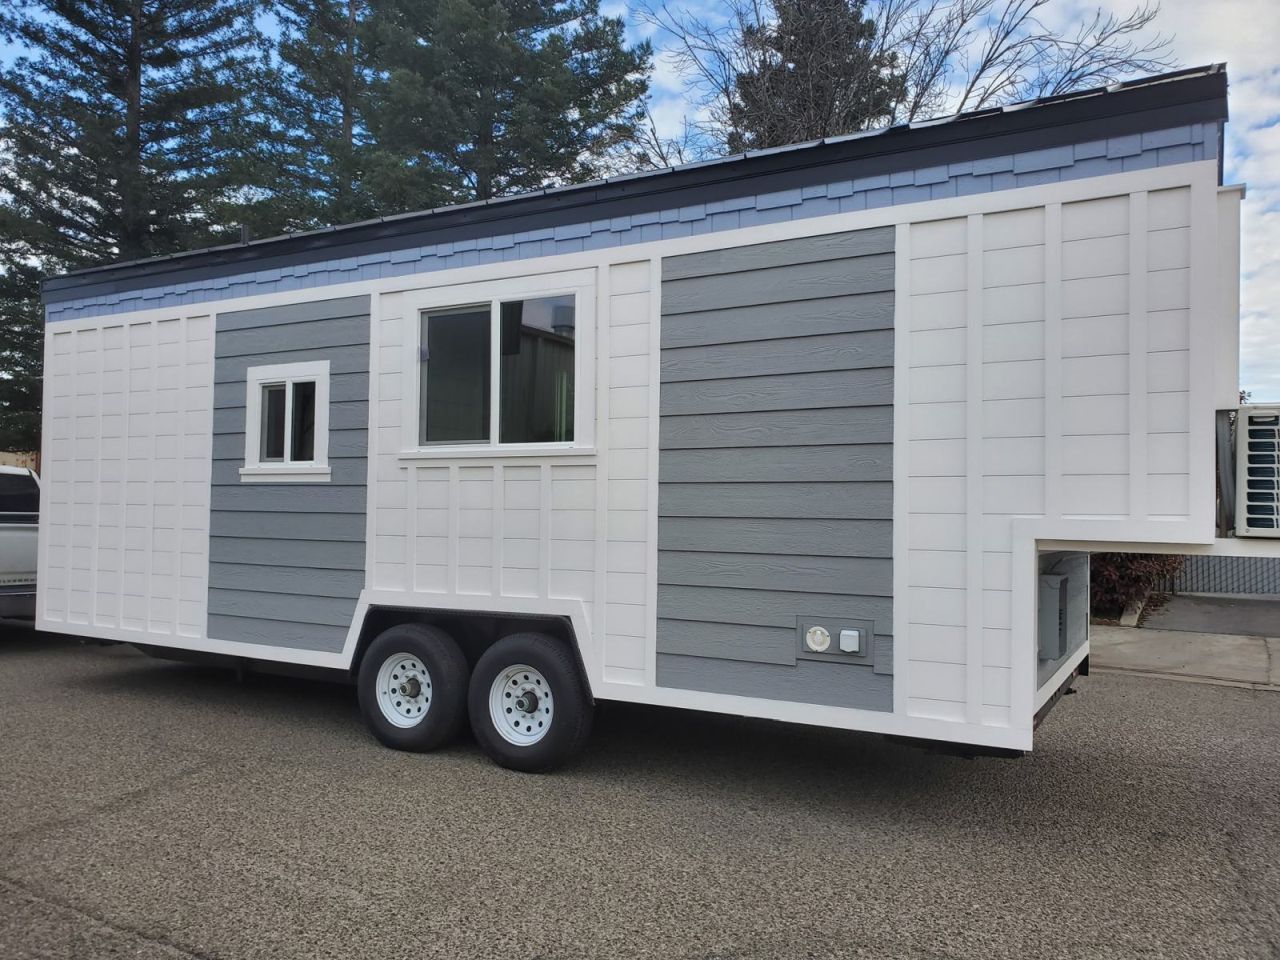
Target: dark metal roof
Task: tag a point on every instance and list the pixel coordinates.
(1197, 95)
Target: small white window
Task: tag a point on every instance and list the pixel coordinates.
(286, 436)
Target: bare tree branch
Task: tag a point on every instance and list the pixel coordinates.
(945, 56)
(651, 150)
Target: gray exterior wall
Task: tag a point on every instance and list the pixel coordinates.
(775, 473)
(286, 560)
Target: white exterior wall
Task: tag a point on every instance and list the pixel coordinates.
(124, 509)
(1045, 393)
(569, 532)
(1050, 386)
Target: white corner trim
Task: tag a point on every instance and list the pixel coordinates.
(901, 465)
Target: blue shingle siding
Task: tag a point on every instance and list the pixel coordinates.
(1127, 146)
(1181, 144)
(992, 165)
(1052, 159)
(1166, 138)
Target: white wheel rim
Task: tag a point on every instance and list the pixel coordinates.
(520, 705)
(404, 690)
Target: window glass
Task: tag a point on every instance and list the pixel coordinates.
(454, 395)
(19, 494)
(536, 394)
(273, 422)
(302, 439)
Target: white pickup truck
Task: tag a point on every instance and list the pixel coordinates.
(19, 516)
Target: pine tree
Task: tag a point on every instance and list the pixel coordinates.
(314, 100)
(480, 98)
(118, 133)
(118, 124)
(21, 356)
(813, 72)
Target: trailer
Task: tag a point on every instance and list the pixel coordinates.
(823, 434)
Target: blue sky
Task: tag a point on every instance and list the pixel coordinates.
(1242, 33)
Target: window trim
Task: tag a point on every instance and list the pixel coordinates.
(580, 284)
(256, 470)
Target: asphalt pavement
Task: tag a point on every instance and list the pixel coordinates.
(1197, 657)
(150, 809)
(1252, 616)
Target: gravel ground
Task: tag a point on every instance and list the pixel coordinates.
(160, 810)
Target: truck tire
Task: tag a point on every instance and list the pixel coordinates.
(530, 710)
(412, 687)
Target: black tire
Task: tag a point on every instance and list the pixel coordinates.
(570, 720)
(442, 703)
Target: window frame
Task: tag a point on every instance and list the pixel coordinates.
(19, 518)
(255, 469)
(580, 284)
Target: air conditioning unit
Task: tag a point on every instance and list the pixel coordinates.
(1258, 471)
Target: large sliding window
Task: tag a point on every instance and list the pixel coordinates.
(505, 367)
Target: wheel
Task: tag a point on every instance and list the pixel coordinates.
(412, 687)
(529, 708)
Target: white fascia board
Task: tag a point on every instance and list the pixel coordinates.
(1220, 547)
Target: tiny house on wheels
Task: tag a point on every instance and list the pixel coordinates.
(822, 434)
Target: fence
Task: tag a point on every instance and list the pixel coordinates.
(1226, 575)
(11, 458)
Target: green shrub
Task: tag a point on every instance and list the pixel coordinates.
(1118, 579)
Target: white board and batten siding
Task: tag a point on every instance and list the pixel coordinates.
(1051, 387)
(1047, 386)
(569, 532)
(124, 537)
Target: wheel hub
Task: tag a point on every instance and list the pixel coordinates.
(521, 704)
(411, 687)
(404, 689)
(527, 702)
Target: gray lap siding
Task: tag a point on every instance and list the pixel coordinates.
(775, 492)
(286, 560)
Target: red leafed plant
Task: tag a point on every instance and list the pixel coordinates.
(1118, 579)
